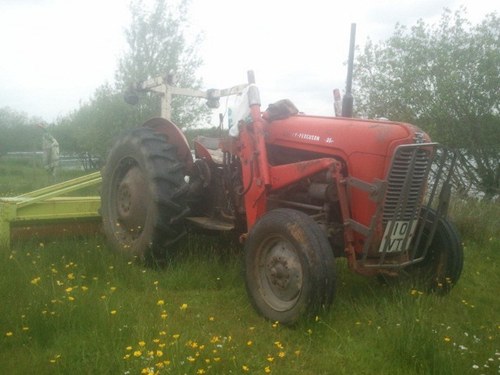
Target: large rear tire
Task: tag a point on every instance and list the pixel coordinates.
(289, 266)
(142, 198)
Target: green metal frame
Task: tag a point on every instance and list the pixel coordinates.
(48, 204)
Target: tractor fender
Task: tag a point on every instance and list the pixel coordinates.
(175, 137)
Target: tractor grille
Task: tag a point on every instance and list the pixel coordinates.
(406, 182)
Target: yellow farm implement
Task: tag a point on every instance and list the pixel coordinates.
(49, 210)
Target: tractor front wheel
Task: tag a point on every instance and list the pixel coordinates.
(441, 267)
(289, 266)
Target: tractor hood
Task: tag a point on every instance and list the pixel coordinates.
(342, 136)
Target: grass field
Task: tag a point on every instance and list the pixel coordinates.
(74, 307)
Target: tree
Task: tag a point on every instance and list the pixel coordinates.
(444, 78)
(93, 127)
(18, 131)
(157, 46)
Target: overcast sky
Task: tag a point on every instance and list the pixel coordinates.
(55, 53)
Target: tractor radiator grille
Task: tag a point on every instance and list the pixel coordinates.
(406, 183)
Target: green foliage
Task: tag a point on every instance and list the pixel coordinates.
(95, 124)
(444, 78)
(18, 132)
(72, 306)
(156, 45)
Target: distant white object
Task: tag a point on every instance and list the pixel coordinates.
(239, 112)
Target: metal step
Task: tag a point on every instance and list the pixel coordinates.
(210, 223)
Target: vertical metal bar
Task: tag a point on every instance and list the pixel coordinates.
(347, 102)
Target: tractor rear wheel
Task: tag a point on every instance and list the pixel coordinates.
(143, 195)
(441, 268)
(289, 266)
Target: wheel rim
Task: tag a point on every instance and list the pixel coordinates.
(129, 201)
(280, 274)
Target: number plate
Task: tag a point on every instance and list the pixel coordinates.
(395, 240)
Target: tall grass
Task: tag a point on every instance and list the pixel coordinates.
(74, 306)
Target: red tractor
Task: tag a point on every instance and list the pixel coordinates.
(299, 190)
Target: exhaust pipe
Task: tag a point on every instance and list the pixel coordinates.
(348, 100)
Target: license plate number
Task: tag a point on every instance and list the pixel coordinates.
(397, 236)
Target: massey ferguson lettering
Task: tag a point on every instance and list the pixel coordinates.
(307, 137)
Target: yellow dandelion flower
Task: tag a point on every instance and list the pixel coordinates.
(175, 336)
(142, 344)
(160, 365)
(297, 353)
(36, 281)
(270, 359)
(84, 288)
(71, 276)
(26, 329)
(278, 345)
(160, 302)
(184, 306)
(281, 354)
(211, 318)
(9, 334)
(156, 341)
(137, 353)
(200, 371)
(447, 339)
(71, 298)
(113, 288)
(159, 353)
(267, 370)
(69, 290)
(163, 333)
(113, 312)
(164, 316)
(191, 359)
(129, 348)
(245, 368)
(216, 359)
(249, 342)
(126, 356)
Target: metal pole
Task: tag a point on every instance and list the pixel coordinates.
(348, 101)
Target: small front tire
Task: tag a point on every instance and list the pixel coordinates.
(289, 266)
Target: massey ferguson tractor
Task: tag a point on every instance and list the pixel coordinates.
(298, 190)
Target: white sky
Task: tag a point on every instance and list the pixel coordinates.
(55, 53)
